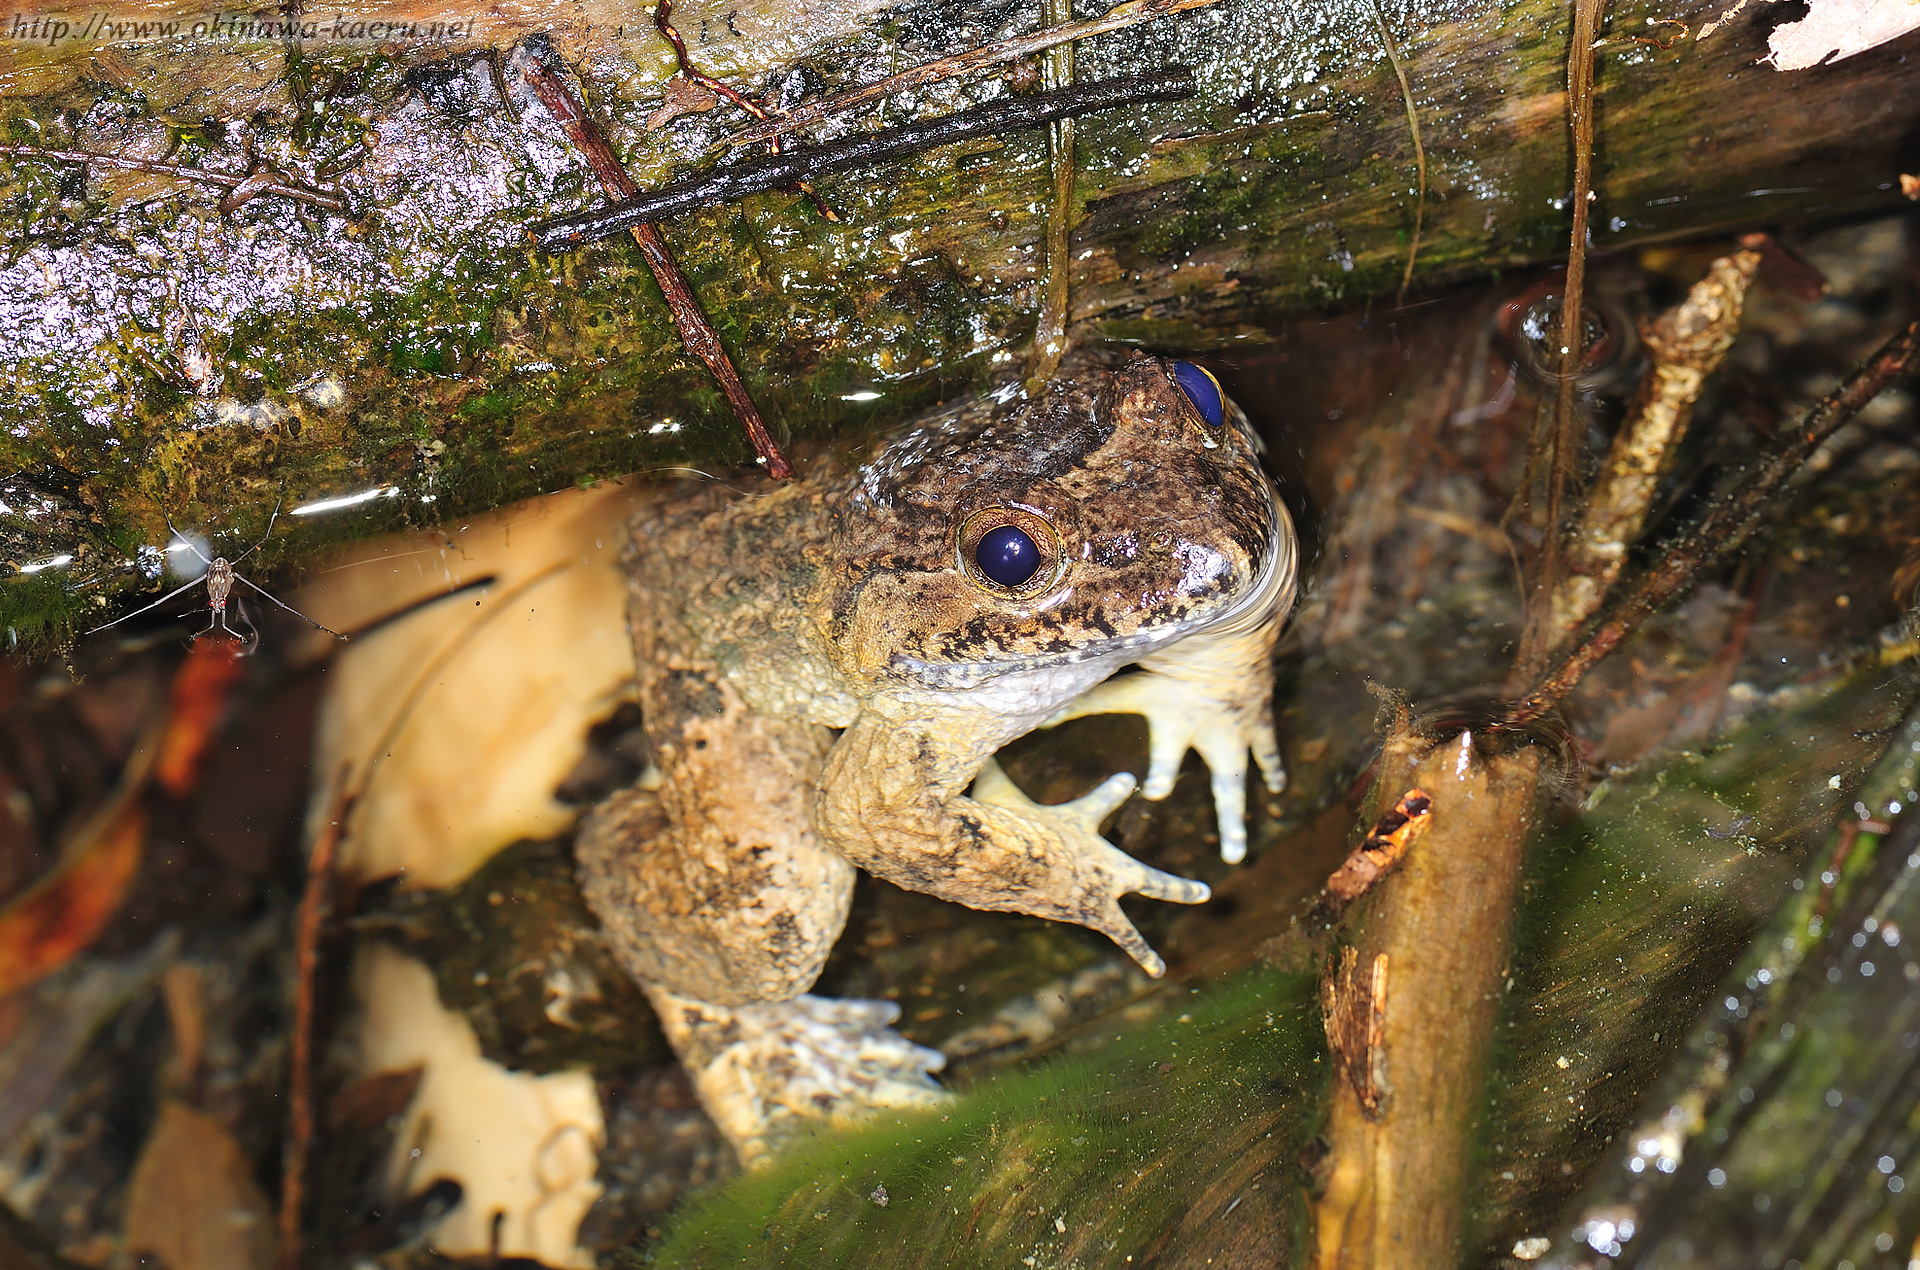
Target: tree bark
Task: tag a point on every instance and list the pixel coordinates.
(1432, 955)
(163, 354)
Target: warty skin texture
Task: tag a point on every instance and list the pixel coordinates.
(849, 600)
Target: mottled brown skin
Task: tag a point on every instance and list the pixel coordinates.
(849, 600)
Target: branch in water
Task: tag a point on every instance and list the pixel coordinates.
(1726, 527)
(1687, 342)
(1552, 453)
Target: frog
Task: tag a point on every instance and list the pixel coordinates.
(827, 668)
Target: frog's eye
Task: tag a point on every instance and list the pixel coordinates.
(1010, 551)
(1203, 390)
(1007, 555)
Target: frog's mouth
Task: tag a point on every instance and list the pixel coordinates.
(1273, 591)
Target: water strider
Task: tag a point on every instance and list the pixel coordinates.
(220, 577)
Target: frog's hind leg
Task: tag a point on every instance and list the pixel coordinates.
(717, 893)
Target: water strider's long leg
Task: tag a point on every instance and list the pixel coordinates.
(143, 608)
(289, 608)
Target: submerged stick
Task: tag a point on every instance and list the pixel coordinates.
(696, 332)
(775, 171)
(1411, 1001)
(1554, 446)
(306, 957)
(1723, 529)
(1419, 150)
(1687, 343)
(1050, 328)
(1132, 13)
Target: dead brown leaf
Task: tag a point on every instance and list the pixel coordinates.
(683, 97)
(193, 1202)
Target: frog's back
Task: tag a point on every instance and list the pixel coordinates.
(731, 578)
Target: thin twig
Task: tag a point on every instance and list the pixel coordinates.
(1725, 527)
(663, 23)
(1537, 639)
(1419, 150)
(752, 176)
(1132, 13)
(263, 181)
(696, 332)
(306, 960)
(1050, 328)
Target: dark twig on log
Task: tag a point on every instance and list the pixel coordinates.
(306, 959)
(663, 23)
(261, 181)
(775, 171)
(1723, 529)
(1129, 14)
(696, 332)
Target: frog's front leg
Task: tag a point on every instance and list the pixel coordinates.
(891, 800)
(1212, 692)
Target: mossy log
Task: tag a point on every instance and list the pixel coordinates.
(164, 355)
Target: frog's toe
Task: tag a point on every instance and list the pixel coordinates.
(1166, 748)
(995, 787)
(1226, 757)
(1113, 923)
(1132, 877)
(1095, 806)
(1266, 753)
(765, 1072)
(1121, 932)
(1225, 746)
(1156, 885)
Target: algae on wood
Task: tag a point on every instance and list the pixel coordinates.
(164, 356)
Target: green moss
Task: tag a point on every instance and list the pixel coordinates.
(1288, 175)
(1173, 1134)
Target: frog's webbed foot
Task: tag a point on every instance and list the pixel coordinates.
(1181, 717)
(1102, 872)
(765, 1072)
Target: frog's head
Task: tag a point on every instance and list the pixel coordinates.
(1122, 510)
